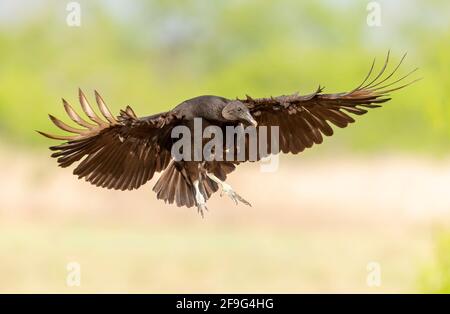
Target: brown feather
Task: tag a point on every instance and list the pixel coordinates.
(112, 154)
(65, 127)
(104, 109)
(88, 109)
(75, 117)
(303, 119)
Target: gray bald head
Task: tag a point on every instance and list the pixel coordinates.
(237, 111)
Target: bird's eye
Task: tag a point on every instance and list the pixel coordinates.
(239, 109)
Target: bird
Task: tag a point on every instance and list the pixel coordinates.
(126, 151)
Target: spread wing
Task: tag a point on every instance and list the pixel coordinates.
(120, 153)
(303, 120)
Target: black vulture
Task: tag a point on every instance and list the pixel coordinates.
(124, 152)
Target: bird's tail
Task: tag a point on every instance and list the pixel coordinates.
(175, 186)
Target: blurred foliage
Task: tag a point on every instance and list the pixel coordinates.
(435, 277)
(154, 54)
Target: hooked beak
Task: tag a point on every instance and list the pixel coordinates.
(248, 117)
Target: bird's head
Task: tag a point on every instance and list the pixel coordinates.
(235, 110)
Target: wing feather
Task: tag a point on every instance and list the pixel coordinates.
(120, 153)
(302, 120)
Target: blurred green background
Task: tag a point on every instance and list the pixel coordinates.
(154, 54)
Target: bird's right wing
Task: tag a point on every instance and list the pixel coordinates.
(304, 119)
(119, 153)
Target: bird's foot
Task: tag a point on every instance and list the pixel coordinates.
(201, 208)
(226, 189)
(199, 199)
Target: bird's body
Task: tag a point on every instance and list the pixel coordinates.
(125, 152)
(208, 107)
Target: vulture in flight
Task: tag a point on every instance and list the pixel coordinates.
(124, 152)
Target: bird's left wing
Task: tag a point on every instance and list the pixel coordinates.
(120, 153)
(302, 120)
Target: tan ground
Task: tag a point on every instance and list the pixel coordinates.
(315, 225)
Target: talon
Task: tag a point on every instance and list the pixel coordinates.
(236, 197)
(226, 189)
(199, 199)
(201, 208)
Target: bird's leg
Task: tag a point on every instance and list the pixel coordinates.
(226, 188)
(199, 198)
